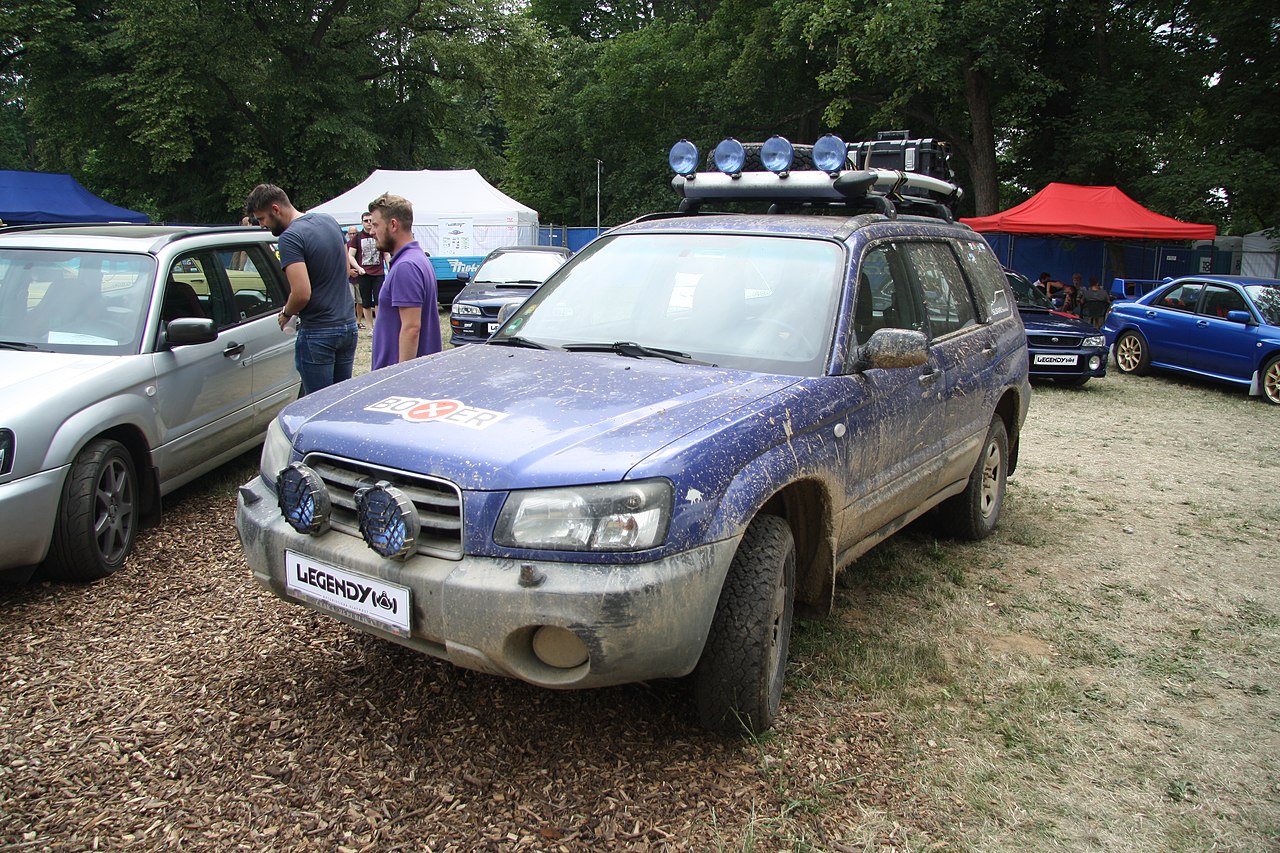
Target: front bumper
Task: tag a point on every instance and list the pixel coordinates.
(637, 621)
(1078, 365)
(28, 510)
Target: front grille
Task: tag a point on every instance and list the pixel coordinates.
(491, 311)
(439, 502)
(1055, 341)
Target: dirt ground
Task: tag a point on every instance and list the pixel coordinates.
(1100, 674)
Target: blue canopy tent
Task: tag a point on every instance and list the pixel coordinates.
(36, 197)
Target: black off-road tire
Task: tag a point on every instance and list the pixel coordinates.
(737, 685)
(98, 516)
(974, 513)
(1270, 380)
(1132, 354)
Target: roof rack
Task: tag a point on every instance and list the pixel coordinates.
(830, 174)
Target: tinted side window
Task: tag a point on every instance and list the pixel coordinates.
(884, 299)
(254, 290)
(936, 273)
(1181, 298)
(1218, 300)
(986, 278)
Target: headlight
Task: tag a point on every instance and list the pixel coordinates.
(830, 154)
(683, 158)
(6, 451)
(611, 517)
(463, 309)
(276, 452)
(777, 154)
(730, 157)
(1095, 341)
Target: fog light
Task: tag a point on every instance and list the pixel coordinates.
(1095, 362)
(388, 520)
(777, 154)
(303, 499)
(730, 157)
(559, 647)
(683, 158)
(830, 154)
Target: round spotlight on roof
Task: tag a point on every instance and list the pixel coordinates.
(777, 154)
(303, 499)
(730, 156)
(830, 154)
(388, 520)
(683, 158)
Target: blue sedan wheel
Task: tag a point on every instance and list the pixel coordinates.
(1132, 355)
(1271, 380)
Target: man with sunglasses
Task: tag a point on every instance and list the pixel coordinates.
(364, 255)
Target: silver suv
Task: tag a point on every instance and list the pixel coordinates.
(133, 360)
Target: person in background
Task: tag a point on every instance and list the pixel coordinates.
(1070, 299)
(314, 259)
(1095, 303)
(369, 263)
(407, 325)
(353, 278)
(1048, 285)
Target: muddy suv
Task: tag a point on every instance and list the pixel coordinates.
(671, 446)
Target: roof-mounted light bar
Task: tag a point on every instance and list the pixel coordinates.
(825, 175)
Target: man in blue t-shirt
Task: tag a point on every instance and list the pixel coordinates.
(313, 254)
(407, 325)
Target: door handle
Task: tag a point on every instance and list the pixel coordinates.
(233, 349)
(1151, 313)
(1202, 323)
(989, 351)
(929, 377)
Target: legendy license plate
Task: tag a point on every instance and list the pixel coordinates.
(1055, 359)
(368, 600)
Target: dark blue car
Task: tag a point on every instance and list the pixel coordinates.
(1060, 346)
(506, 275)
(1222, 327)
(676, 441)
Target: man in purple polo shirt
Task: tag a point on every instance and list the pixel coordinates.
(407, 325)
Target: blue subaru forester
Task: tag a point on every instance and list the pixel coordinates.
(681, 437)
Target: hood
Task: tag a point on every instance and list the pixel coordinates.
(29, 379)
(1050, 322)
(495, 418)
(490, 293)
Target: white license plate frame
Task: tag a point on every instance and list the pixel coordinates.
(493, 327)
(369, 601)
(1047, 359)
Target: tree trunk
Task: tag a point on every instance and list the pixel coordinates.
(982, 152)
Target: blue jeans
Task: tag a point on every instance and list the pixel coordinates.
(324, 355)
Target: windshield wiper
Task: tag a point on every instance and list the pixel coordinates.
(517, 341)
(631, 349)
(17, 345)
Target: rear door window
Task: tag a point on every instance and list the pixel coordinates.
(936, 273)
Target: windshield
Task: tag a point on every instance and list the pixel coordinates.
(758, 303)
(1025, 295)
(1267, 298)
(519, 267)
(75, 302)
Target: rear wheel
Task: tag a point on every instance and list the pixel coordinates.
(975, 512)
(1132, 354)
(737, 684)
(98, 516)
(1271, 380)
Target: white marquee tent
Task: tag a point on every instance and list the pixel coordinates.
(456, 213)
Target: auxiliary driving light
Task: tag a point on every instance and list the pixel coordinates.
(388, 520)
(683, 158)
(303, 499)
(1095, 362)
(730, 157)
(830, 154)
(777, 154)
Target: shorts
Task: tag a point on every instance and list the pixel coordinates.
(369, 287)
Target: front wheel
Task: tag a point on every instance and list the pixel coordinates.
(1271, 380)
(98, 517)
(974, 513)
(737, 684)
(1132, 354)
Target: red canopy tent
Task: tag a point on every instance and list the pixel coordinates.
(1071, 210)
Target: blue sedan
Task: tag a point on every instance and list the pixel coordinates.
(1223, 327)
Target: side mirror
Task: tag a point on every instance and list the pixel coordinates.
(464, 276)
(1241, 317)
(189, 330)
(888, 349)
